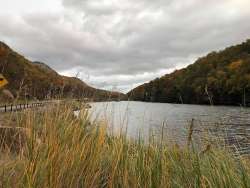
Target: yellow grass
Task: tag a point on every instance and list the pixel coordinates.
(61, 150)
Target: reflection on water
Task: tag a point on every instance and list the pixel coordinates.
(230, 123)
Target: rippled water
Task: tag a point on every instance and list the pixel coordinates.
(230, 123)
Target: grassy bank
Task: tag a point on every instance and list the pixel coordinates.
(56, 149)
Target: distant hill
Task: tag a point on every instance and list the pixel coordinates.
(37, 80)
(220, 78)
(45, 67)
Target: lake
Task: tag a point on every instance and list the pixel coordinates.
(232, 124)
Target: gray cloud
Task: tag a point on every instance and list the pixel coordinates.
(124, 43)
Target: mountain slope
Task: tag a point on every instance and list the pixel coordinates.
(219, 78)
(37, 80)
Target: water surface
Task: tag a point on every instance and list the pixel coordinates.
(134, 118)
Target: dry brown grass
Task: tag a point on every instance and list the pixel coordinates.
(64, 151)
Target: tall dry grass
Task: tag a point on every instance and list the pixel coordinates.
(64, 151)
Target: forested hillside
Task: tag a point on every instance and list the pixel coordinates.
(219, 78)
(35, 80)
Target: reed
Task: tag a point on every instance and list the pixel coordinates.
(64, 151)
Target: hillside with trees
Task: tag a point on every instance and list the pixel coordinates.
(220, 78)
(36, 80)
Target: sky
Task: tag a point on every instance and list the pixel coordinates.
(120, 44)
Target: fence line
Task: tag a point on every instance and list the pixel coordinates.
(19, 107)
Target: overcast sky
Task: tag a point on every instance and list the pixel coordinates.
(118, 44)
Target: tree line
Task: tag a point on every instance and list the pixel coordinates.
(220, 78)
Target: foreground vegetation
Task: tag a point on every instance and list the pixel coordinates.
(56, 149)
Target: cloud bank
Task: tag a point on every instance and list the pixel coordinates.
(118, 44)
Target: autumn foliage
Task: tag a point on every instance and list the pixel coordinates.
(219, 78)
(35, 80)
